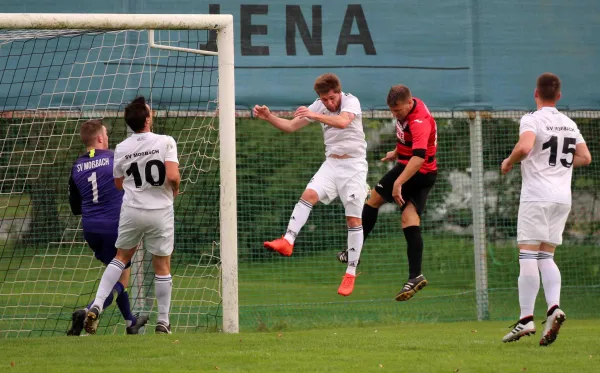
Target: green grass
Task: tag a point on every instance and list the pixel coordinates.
(284, 294)
(408, 347)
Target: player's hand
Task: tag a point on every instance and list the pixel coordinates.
(175, 192)
(261, 112)
(506, 167)
(390, 156)
(397, 193)
(303, 112)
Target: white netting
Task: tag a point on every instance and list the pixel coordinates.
(50, 82)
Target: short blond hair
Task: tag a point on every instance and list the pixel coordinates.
(90, 130)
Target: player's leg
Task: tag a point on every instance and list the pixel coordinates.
(317, 189)
(380, 195)
(411, 226)
(530, 234)
(163, 287)
(94, 241)
(133, 323)
(351, 182)
(108, 284)
(159, 242)
(131, 230)
(355, 243)
(415, 192)
(102, 245)
(551, 278)
(119, 291)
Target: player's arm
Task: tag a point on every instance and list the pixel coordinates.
(118, 169)
(341, 120)
(527, 134)
(172, 166)
(119, 182)
(522, 148)
(582, 156)
(350, 108)
(420, 135)
(173, 176)
(285, 125)
(74, 197)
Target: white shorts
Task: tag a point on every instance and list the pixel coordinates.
(344, 178)
(541, 222)
(155, 227)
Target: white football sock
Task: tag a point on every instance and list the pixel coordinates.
(163, 286)
(550, 278)
(111, 275)
(529, 281)
(355, 244)
(299, 217)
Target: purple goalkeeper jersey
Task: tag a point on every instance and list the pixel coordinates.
(92, 192)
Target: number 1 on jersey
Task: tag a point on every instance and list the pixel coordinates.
(92, 179)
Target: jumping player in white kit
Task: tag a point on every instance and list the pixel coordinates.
(343, 174)
(146, 167)
(549, 146)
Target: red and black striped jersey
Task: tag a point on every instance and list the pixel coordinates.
(417, 136)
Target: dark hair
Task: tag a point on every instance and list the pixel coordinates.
(398, 94)
(548, 86)
(136, 114)
(89, 130)
(326, 83)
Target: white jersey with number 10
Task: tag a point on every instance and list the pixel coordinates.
(547, 170)
(141, 160)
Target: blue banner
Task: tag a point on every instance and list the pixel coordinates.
(453, 54)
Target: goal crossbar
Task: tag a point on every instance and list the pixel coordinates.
(223, 23)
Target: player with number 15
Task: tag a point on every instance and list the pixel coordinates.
(550, 146)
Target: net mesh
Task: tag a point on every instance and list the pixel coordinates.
(50, 82)
(301, 291)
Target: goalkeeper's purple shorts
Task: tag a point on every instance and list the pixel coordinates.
(103, 245)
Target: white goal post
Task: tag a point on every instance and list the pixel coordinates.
(223, 24)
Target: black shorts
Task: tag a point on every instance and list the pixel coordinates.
(103, 246)
(415, 190)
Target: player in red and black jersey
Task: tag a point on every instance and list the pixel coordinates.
(409, 182)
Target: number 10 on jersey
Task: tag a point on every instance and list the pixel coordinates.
(150, 178)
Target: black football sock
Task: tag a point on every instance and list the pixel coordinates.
(414, 250)
(369, 218)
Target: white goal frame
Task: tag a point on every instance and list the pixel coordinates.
(223, 24)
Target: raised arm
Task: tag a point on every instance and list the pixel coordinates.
(285, 125)
(341, 120)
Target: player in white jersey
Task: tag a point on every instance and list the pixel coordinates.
(343, 174)
(549, 146)
(146, 167)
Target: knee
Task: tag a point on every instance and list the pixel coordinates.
(410, 218)
(375, 200)
(353, 222)
(310, 196)
(162, 265)
(124, 256)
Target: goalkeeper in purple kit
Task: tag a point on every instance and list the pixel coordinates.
(93, 195)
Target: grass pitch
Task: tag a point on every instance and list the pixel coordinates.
(409, 347)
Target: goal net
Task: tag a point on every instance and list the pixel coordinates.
(51, 81)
